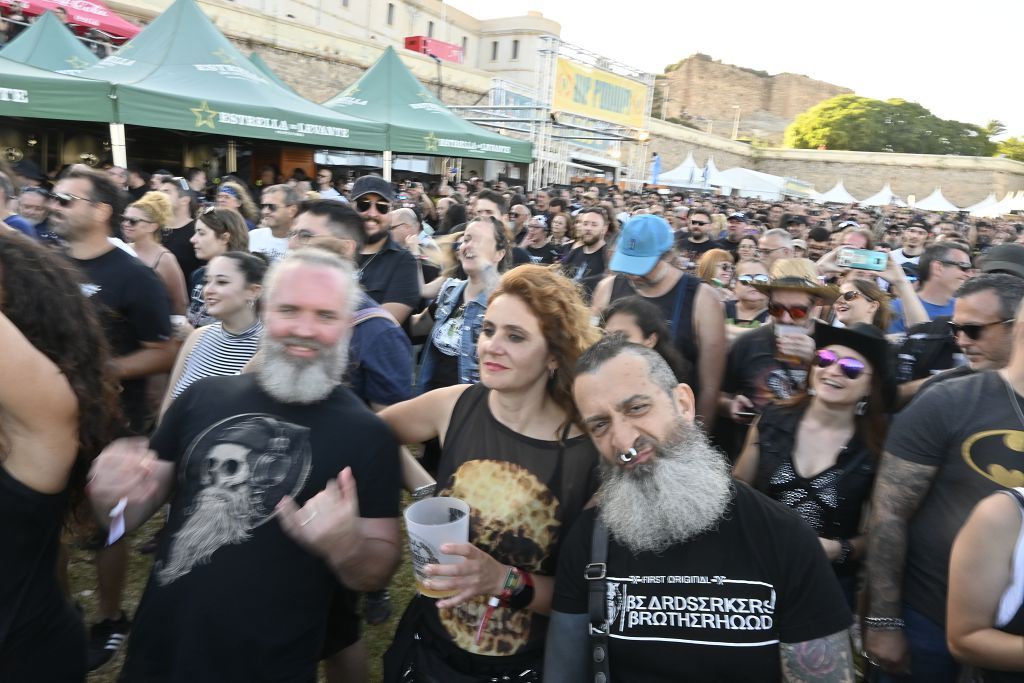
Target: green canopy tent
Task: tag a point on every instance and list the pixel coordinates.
(49, 44)
(417, 122)
(258, 62)
(36, 93)
(181, 73)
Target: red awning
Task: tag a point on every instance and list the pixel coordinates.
(82, 15)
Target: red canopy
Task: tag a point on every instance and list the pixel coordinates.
(82, 15)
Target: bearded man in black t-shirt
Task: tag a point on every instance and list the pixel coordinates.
(235, 594)
(588, 259)
(702, 575)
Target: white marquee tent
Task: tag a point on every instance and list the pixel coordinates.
(985, 203)
(686, 174)
(936, 202)
(883, 197)
(837, 195)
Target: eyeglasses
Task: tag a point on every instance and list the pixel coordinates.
(795, 312)
(748, 280)
(134, 221)
(973, 330)
(66, 199)
(853, 294)
(851, 367)
(301, 236)
(270, 207)
(700, 222)
(768, 251)
(363, 205)
(964, 266)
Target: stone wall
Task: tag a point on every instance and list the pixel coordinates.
(963, 180)
(709, 90)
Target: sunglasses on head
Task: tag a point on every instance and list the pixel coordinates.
(363, 205)
(182, 183)
(795, 312)
(851, 367)
(753, 279)
(972, 330)
(66, 199)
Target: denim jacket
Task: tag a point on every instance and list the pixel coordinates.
(448, 300)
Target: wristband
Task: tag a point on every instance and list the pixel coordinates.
(521, 593)
(421, 492)
(884, 623)
(845, 550)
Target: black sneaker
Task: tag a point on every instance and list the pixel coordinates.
(377, 607)
(105, 639)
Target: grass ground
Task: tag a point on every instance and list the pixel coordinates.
(82, 578)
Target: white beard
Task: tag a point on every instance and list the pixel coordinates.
(295, 380)
(679, 493)
(220, 517)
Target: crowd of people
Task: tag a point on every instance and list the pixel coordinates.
(702, 438)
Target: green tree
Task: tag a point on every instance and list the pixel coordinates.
(852, 122)
(1012, 148)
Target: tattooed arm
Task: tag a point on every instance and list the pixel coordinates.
(823, 660)
(900, 487)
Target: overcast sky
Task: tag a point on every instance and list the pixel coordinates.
(961, 60)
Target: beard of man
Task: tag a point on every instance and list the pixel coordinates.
(679, 493)
(300, 380)
(220, 516)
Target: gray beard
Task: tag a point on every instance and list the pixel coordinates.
(681, 492)
(294, 380)
(219, 517)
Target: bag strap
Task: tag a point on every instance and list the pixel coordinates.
(595, 573)
(370, 312)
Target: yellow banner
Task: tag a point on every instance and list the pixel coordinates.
(602, 95)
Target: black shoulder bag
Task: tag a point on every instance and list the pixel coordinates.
(595, 573)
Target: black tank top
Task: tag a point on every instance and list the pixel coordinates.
(682, 296)
(524, 494)
(41, 635)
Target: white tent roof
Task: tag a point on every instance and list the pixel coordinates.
(983, 204)
(751, 183)
(838, 195)
(936, 202)
(997, 209)
(712, 176)
(685, 174)
(1017, 203)
(883, 197)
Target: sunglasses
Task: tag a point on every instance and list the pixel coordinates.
(66, 199)
(134, 221)
(851, 367)
(971, 330)
(795, 312)
(700, 222)
(270, 207)
(363, 205)
(748, 280)
(965, 266)
(853, 295)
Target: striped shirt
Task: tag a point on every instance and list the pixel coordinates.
(218, 353)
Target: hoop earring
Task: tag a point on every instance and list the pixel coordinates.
(862, 407)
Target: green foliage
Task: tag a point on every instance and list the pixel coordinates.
(855, 123)
(1012, 148)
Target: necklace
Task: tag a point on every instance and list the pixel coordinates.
(1013, 399)
(368, 262)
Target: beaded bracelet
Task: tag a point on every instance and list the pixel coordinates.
(884, 623)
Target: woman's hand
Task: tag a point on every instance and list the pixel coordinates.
(478, 574)
(893, 273)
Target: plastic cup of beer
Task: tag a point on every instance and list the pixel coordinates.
(431, 523)
(783, 331)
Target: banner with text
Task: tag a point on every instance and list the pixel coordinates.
(599, 94)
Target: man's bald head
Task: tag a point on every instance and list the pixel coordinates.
(404, 223)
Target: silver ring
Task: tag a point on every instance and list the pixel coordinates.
(628, 456)
(308, 519)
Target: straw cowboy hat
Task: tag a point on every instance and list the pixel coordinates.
(797, 275)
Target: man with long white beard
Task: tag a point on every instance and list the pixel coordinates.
(701, 578)
(232, 453)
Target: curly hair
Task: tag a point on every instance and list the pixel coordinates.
(226, 221)
(248, 208)
(564, 321)
(66, 330)
(157, 206)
